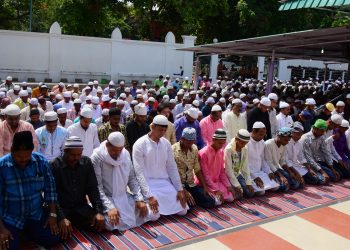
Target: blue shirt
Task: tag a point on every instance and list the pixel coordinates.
(182, 123)
(23, 190)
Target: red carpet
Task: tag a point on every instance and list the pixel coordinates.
(199, 222)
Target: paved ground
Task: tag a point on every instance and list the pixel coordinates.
(326, 227)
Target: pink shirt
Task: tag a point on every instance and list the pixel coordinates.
(6, 135)
(212, 164)
(208, 127)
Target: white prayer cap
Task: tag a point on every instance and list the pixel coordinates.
(140, 109)
(61, 111)
(173, 101)
(58, 97)
(52, 93)
(340, 104)
(310, 101)
(76, 101)
(3, 90)
(222, 100)
(12, 110)
(69, 85)
(214, 95)
(160, 120)
(143, 84)
(348, 96)
(9, 78)
(134, 102)
(259, 125)
(117, 139)
(243, 135)
(170, 87)
(23, 93)
(127, 89)
(216, 108)
(192, 92)
(122, 95)
(344, 124)
(95, 82)
(50, 116)
(139, 91)
(256, 101)
(272, 96)
(193, 112)
(105, 112)
(67, 94)
(73, 142)
(43, 86)
(167, 76)
(283, 105)
(200, 113)
(24, 84)
(113, 101)
(86, 112)
(111, 83)
(166, 98)
(236, 101)
(16, 87)
(2, 94)
(75, 85)
(151, 99)
(195, 103)
(122, 83)
(61, 84)
(139, 96)
(180, 93)
(242, 96)
(95, 100)
(337, 119)
(210, 100)
(105, 98)
(120, 102)
(265, 101)
(75, 95)
(99, 90)
(90, 83)
(236, 94)
(88, 98)
(34, 101)
(29, 90)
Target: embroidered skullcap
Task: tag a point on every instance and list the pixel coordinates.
(12, 110)
(134, 102)
(24, 84)
(297, 127)
(284, 131)
(9, 78)
(113, 101)
(117, 139)
(73, 142)
(2, 95)
(243, 135)
(140, 109)
(220, 134)
(189, 134)
(34, 101)
(50, 116)
(151, 99)
(306, 114)
(222, 100)
(105, 98)
(120, 102)
(192, 112)
(173, 101)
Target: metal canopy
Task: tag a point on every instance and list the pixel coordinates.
(334, 5)
(331, 44)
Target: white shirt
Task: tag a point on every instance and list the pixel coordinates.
(51, 144)
(347, 134)
(294, 153)
(67, 124)
(65, 105)
(274, 155)
(96, 112)
(256, 162)
(89, 137)
(233, 123)
(284, 121)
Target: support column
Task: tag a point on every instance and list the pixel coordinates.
(270, 74)
(115, 63)
(261, 67)
(55, 52)
(188, 41)
(214, 61)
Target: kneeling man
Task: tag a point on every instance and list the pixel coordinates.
(115, 173)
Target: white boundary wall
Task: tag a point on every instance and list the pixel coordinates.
(53, 55)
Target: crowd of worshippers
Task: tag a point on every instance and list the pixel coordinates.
(114, 158)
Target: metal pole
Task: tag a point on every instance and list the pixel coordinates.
(196, 72)
(270, 73)
(30, 15)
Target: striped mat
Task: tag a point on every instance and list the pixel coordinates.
(199, 222)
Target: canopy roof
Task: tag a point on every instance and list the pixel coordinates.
(331, 44)
(338, 5)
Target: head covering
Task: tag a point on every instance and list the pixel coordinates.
(77, 101)
(243, 135)
(105, 112)
(284, 131)
(259, 125)
(95, 100)
(73, 142)
(9, 78)
(265, 101)
(140, 109)
(86, 112)
(160, 120)
(151, 99)
(67, 94)
(336, 118)
(220, 134)
(58, 97)
(117, 139)
(297, 127)
(12, 110)
(23, 93)
(310, 101)
(122, 95)
(195, 103)
(2, 94)
(344, 124)
(320, 124)
(256, 101)
(16, 88)
(216, 108)
(50, 116)
(34, 101)
(75, 95)
(61, 84)
(189, 134)
(210, 100)
(192, 112)
(61, 111)
(283, 105)
(133, 102)
(340, 104)
(272, 96)
(330, 106)
(306, 114)
(236, 101)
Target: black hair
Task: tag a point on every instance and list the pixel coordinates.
(22, 141)
(162, 106)
(114, 111)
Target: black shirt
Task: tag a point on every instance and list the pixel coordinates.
(256, 115)
(134, 132)
(73, 184)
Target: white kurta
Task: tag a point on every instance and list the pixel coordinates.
(295, 156)
(258, 166)
(51, 144)
(114, 177)
(25, 114)
(155, 161)
(96, 112)
(284, 121)
(89, 137)
(233, 123)
(65, 105)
